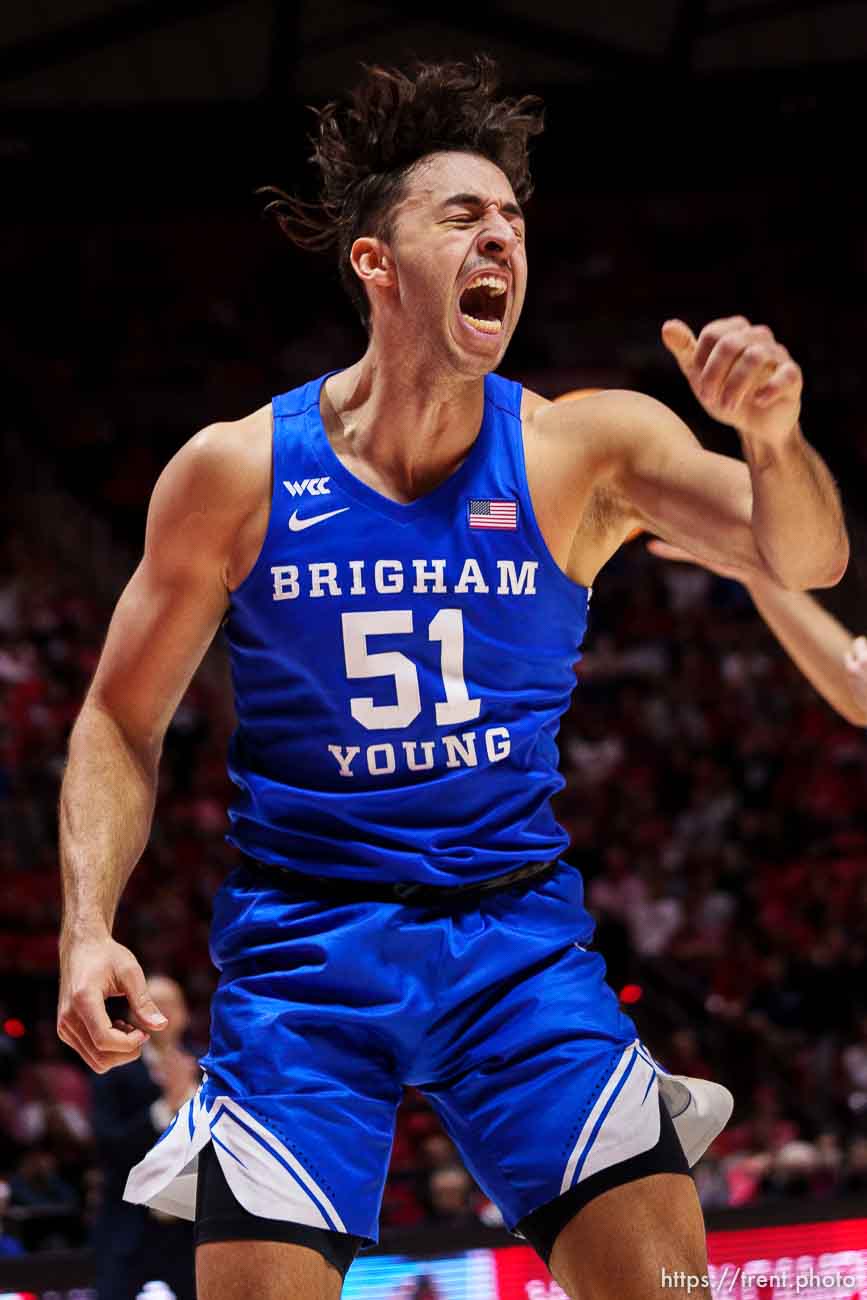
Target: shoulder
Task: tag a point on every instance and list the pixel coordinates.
(212, 484)
(223, 466)
(582, 456)
(227, 458)
(602, 425)
(605, 440)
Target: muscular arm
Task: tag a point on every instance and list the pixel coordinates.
(106, 807)
(771, 514)
(797, 518)
(745, 378)
(778, 514)
(160, 630)
(775, 514)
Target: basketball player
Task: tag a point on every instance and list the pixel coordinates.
(831, 657)
(401, 554)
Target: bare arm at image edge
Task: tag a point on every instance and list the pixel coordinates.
(160, 630)
(830, 657)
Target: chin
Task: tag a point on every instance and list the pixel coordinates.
(476, 361)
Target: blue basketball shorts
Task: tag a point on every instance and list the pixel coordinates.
(496, 1010)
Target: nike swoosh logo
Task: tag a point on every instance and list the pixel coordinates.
(296, 525)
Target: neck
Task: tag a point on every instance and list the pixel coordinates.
(404, 419)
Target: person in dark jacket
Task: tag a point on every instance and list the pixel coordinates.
(131, 1107)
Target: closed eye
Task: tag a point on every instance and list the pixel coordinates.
(466, 219)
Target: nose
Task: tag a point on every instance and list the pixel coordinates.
(497, 238)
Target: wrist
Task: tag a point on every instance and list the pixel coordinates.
(89, 928)
(769, 445)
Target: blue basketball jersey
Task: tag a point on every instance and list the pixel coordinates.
(400, 670)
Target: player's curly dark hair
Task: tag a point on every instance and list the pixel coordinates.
(366, 147)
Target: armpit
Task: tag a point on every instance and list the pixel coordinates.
(606, 512)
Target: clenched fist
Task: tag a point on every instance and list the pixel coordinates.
(91, 970)
(741, 375)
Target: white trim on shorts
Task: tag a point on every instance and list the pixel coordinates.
(264, 1175)
(624, 1121)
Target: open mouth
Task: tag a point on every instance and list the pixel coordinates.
(483, 303)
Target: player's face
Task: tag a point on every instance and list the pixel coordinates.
(460, 259)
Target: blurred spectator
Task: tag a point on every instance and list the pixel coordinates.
(450, 1197)
(829, 1163)
(37, 1184)
(653, 918)
(10, 1100)
(684, 1055)
(436, 1151)
(711, 1182)
(131, 1106)
(47, 1204)
(9, 1245)
(854, 1061)
(790, 1172)
(854, 1181)
(54, 1094)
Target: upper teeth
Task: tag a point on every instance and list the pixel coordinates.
(490, 282)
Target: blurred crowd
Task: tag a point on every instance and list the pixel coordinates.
(713, 801)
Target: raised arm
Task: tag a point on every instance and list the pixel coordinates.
(830, 657)
(778, 514)
(160, 630)
(745, 378)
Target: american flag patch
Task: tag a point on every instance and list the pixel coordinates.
(492, 514)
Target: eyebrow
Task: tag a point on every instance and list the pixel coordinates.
(476, 201)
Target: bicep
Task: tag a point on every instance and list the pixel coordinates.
(172, 606)
(702, 502)
(688, 496)
(158, 635)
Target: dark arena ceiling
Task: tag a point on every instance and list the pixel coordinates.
(99, 52)
(116, 94)
(140, 106)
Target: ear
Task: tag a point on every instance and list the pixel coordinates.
(372, 262)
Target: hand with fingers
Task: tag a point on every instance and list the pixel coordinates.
(741, 375)
(92, 969)
(856, 667)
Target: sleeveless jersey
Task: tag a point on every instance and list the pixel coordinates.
(400, 670)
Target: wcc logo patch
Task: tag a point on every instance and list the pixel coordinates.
(315, 486)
